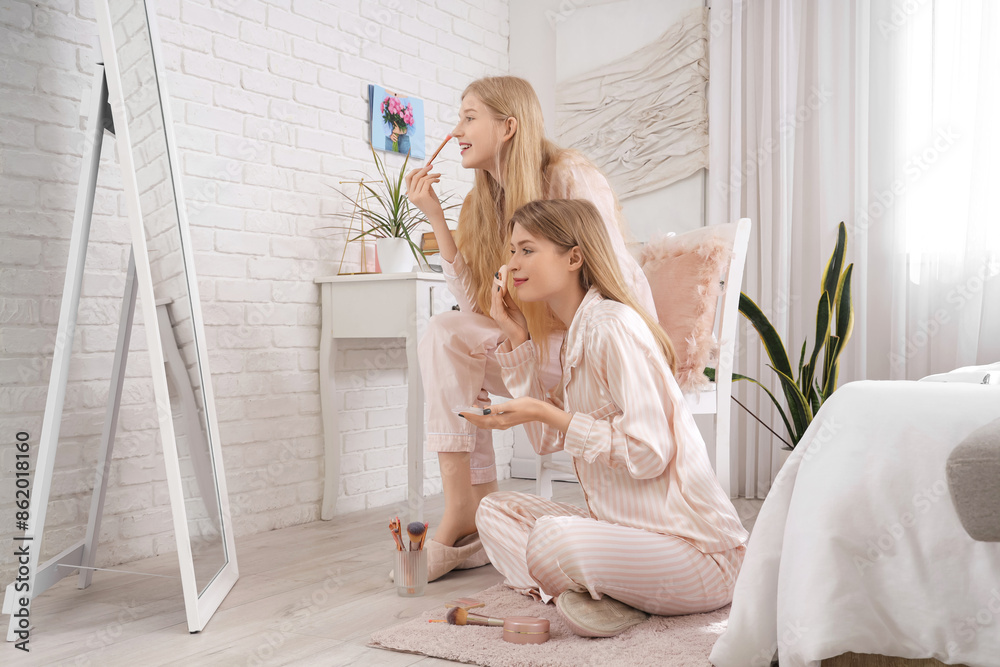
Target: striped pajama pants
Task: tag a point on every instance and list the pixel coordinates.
(545, 547)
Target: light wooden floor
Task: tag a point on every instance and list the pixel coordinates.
(307, 595)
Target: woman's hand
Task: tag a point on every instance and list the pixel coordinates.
(420, 191)
(505, 312)
(512, 413)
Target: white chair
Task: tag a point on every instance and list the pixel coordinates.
(714, 400)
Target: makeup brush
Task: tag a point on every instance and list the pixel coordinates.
(459, 616)
(416, 531)
(446, 140)
(395, 530)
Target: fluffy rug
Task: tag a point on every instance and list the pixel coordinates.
(679, 641)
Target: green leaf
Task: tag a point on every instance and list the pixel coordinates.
(815, 401)
(798, 407)
(802, 357)
(831, 347)
(815, 396)
(710, 373)
(830, 381)
(822, 333)
(772, 341)
(831, 274)
(845, 307)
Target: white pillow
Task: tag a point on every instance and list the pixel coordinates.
(988, 374)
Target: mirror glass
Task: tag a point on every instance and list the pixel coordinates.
(159, 206)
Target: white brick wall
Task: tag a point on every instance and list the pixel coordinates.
(269, 101)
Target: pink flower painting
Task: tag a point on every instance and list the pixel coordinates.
(397, 122)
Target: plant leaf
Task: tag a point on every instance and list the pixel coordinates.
(781, 411)
(831, 274)
(822, 334)
(845, 306)
(827, 362)
(769, 337)
(798, 407)
(710, 372)
(830, 382)
(815, 401)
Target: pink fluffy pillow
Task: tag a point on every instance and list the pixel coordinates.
(685, 273)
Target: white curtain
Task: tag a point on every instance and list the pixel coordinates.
(827, 107)
(935, 82)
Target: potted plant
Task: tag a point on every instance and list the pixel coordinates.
(387, 216)
(807, 390)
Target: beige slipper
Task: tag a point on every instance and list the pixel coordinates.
(478, 559)
(467, 553)
(442, 559)
(588, 617)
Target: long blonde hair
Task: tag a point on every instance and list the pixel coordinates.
(570, 223)
(482, 235)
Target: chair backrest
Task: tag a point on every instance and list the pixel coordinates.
(693, 277)
(728, 311)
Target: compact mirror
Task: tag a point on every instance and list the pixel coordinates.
(168, 291)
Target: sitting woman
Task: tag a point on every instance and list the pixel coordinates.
(659, 535)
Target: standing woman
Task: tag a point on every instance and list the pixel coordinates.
(502, 137)
(659, 535)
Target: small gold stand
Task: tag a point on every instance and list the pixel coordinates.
(350, 227)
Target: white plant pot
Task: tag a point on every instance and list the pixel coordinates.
(394, 255)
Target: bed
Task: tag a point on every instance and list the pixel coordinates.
(858, 547)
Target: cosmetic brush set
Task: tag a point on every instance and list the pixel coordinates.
(416, 532)
(516, 629)
(409, 563)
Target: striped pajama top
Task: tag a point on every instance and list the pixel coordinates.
(636, 449)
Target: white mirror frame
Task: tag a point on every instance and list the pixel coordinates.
(199, 608)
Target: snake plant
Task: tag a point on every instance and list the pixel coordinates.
(806, 390)
(382, 203)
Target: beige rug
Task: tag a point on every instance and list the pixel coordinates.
(678, 641)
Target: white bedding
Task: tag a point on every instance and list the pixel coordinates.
(857, 546)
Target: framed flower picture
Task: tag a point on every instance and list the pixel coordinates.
(397, 122)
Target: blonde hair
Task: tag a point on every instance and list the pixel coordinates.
(483, 232)
(570, 223)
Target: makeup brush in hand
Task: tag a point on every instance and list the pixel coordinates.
(416, 531)
(446, 140)
(459, 616)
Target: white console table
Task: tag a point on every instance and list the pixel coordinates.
(396, 305)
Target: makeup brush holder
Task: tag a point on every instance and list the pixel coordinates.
(410, 573)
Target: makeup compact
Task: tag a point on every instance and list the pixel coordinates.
(525, 630)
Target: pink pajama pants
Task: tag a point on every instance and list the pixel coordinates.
(459, 368)
(545, 547)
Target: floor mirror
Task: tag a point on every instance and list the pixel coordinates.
(168, 291)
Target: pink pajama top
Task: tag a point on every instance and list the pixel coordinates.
(570, 176)
(636, 449)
